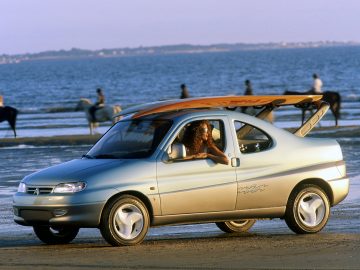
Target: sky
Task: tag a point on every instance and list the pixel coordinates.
(29, 26)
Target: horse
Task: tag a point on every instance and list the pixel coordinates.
(9, 114)
(103, 114)
(331, 97)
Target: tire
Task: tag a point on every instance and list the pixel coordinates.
(307, 210)
(56, 235)
(125, 221)
(236, 226)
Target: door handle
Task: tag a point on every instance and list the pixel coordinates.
(235, 162)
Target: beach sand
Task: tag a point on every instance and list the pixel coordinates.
(254, 250)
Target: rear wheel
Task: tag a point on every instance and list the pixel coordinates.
(236, 226)
(125, 221)
(54, 235)
(308, 209)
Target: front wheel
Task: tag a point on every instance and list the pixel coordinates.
(236, 226)
(55, 235)
(308, 209)
(125, 221)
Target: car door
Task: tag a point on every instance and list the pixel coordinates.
(259, 160)
(198, 186)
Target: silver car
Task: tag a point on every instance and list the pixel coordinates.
(137, 176)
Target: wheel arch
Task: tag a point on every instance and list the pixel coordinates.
(317, 182)
(143, 198)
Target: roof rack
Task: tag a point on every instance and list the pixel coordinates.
(218, 101)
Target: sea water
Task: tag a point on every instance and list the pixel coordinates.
(46, 92)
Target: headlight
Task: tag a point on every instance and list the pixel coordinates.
(22, 187)
(69, 187)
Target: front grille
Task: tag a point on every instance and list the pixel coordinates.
(36, 215)
(38, 190)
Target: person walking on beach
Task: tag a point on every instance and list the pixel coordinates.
(317, 84)
(248, 88)
(248, 92)
(99, 103)
(184, 91)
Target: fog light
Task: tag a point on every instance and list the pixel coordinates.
(59, 212)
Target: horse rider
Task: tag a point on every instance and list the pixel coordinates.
(99, 103)
(317, 84)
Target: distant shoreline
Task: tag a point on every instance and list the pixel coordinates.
(76, 53)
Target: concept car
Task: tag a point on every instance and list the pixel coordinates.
(137, 175)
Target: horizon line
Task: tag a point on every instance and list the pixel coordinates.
(283, 43)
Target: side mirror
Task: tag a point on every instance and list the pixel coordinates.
(176, 151)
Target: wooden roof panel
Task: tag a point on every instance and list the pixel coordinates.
(218, 101)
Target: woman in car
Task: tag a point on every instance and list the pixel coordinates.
(199, 143)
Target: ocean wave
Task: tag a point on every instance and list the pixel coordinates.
(352, 98)
(7, 191)
(46, 110)
(348, 101)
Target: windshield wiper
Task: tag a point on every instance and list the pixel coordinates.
(105, 156)
(87, 156)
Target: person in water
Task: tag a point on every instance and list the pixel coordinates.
(248, 92)
(199, 143)
(99, 104)
(248, 88)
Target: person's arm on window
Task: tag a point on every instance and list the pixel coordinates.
(217, 156)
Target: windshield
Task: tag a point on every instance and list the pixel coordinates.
(130, 139)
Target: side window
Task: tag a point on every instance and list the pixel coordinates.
(179, 149)
(251, 139)
(218, 133)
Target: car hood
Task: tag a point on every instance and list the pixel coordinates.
(74, 170)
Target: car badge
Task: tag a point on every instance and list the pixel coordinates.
(36, 191)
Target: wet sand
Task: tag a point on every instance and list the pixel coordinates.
(263, 250)
(268, 245)
(329, 132)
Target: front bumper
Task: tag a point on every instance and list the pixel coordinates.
(54, 210)
(76, 215)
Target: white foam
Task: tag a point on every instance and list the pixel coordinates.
(7, 191)
(58, 131)
(26, 146)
